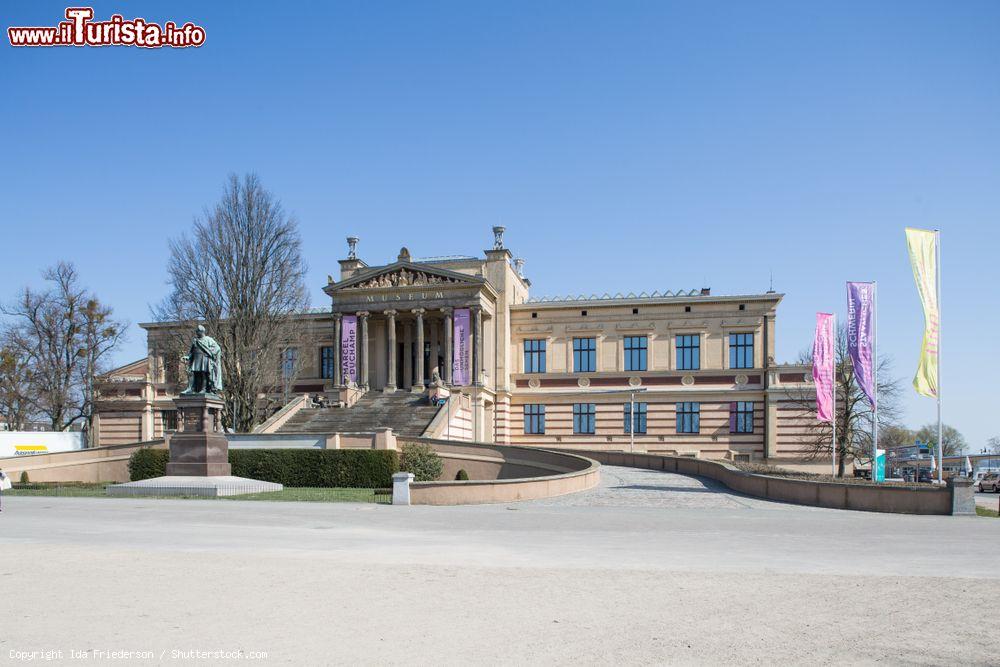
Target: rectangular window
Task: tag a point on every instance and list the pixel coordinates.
(584, 418)
(741, 350)
(635, 353)
(534, 356)
(327, 362)
(289, 361)
(688, 352)
(534, 419)
(688, 417)
(741, 417)
(638, 420)
(584, 355)
(169, 418)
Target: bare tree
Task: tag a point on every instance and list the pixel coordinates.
(891, 437)
(993, 444)
(853, 414)
(15, 388)
(954, 441)
(65, 336)
(241, 273)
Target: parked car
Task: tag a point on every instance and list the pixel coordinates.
(990, 482)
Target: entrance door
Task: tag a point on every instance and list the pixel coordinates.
(399, 364)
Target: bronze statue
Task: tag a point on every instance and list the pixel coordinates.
(204, 363)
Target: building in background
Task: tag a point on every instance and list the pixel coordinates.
(687, 373)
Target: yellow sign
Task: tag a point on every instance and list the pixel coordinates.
(28, 450)
(923, 257)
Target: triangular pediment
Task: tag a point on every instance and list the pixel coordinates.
(402, 275)
(138, 368)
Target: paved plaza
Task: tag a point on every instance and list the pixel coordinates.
(649, 568)
(635, 487)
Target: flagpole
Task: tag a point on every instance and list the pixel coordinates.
(833, 421)
(940, 452)
(874, 377)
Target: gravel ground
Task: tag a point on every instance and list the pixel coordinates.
(665, 580)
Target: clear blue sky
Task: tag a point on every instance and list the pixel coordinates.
(625, 145)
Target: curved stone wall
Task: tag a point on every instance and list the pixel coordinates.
(835, 495)
(94, 464)
(502, 474)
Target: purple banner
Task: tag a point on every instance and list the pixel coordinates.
(860, 335)
(461, 367)
(349, 349)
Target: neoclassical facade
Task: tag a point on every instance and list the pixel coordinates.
(689, 373)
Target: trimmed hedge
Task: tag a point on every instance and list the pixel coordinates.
(147, 463)
(350, 468)
(422, 461)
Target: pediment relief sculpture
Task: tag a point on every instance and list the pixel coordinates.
(405, 278)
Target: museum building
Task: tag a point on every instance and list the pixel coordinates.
(457, 347)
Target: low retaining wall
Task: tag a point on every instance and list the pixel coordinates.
(96, 464)
(835, 495)
(278, 419)
(275, 441)
(504, 474)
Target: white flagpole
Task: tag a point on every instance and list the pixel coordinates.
(940, 452)
(874, 377)
(833, 422)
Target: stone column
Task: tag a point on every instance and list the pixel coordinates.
(448, 328)
(148, 423)
(363, 353)
(418, 382)
(337, 370)
(390, 384)
(963, 499)
(95, 431)
(477, 344)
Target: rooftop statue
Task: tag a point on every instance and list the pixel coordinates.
(204, 363)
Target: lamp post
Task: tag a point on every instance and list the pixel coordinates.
(631, 403)
(631, 422)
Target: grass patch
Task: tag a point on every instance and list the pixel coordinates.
(985, 511)
(317, 494)
(289, 494)
(65, 490)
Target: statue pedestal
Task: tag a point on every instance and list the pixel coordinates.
(199, 448)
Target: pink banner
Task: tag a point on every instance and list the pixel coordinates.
(461, 368)
(823, 366)
(349, 348)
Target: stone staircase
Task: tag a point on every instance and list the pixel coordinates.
(403, 412)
